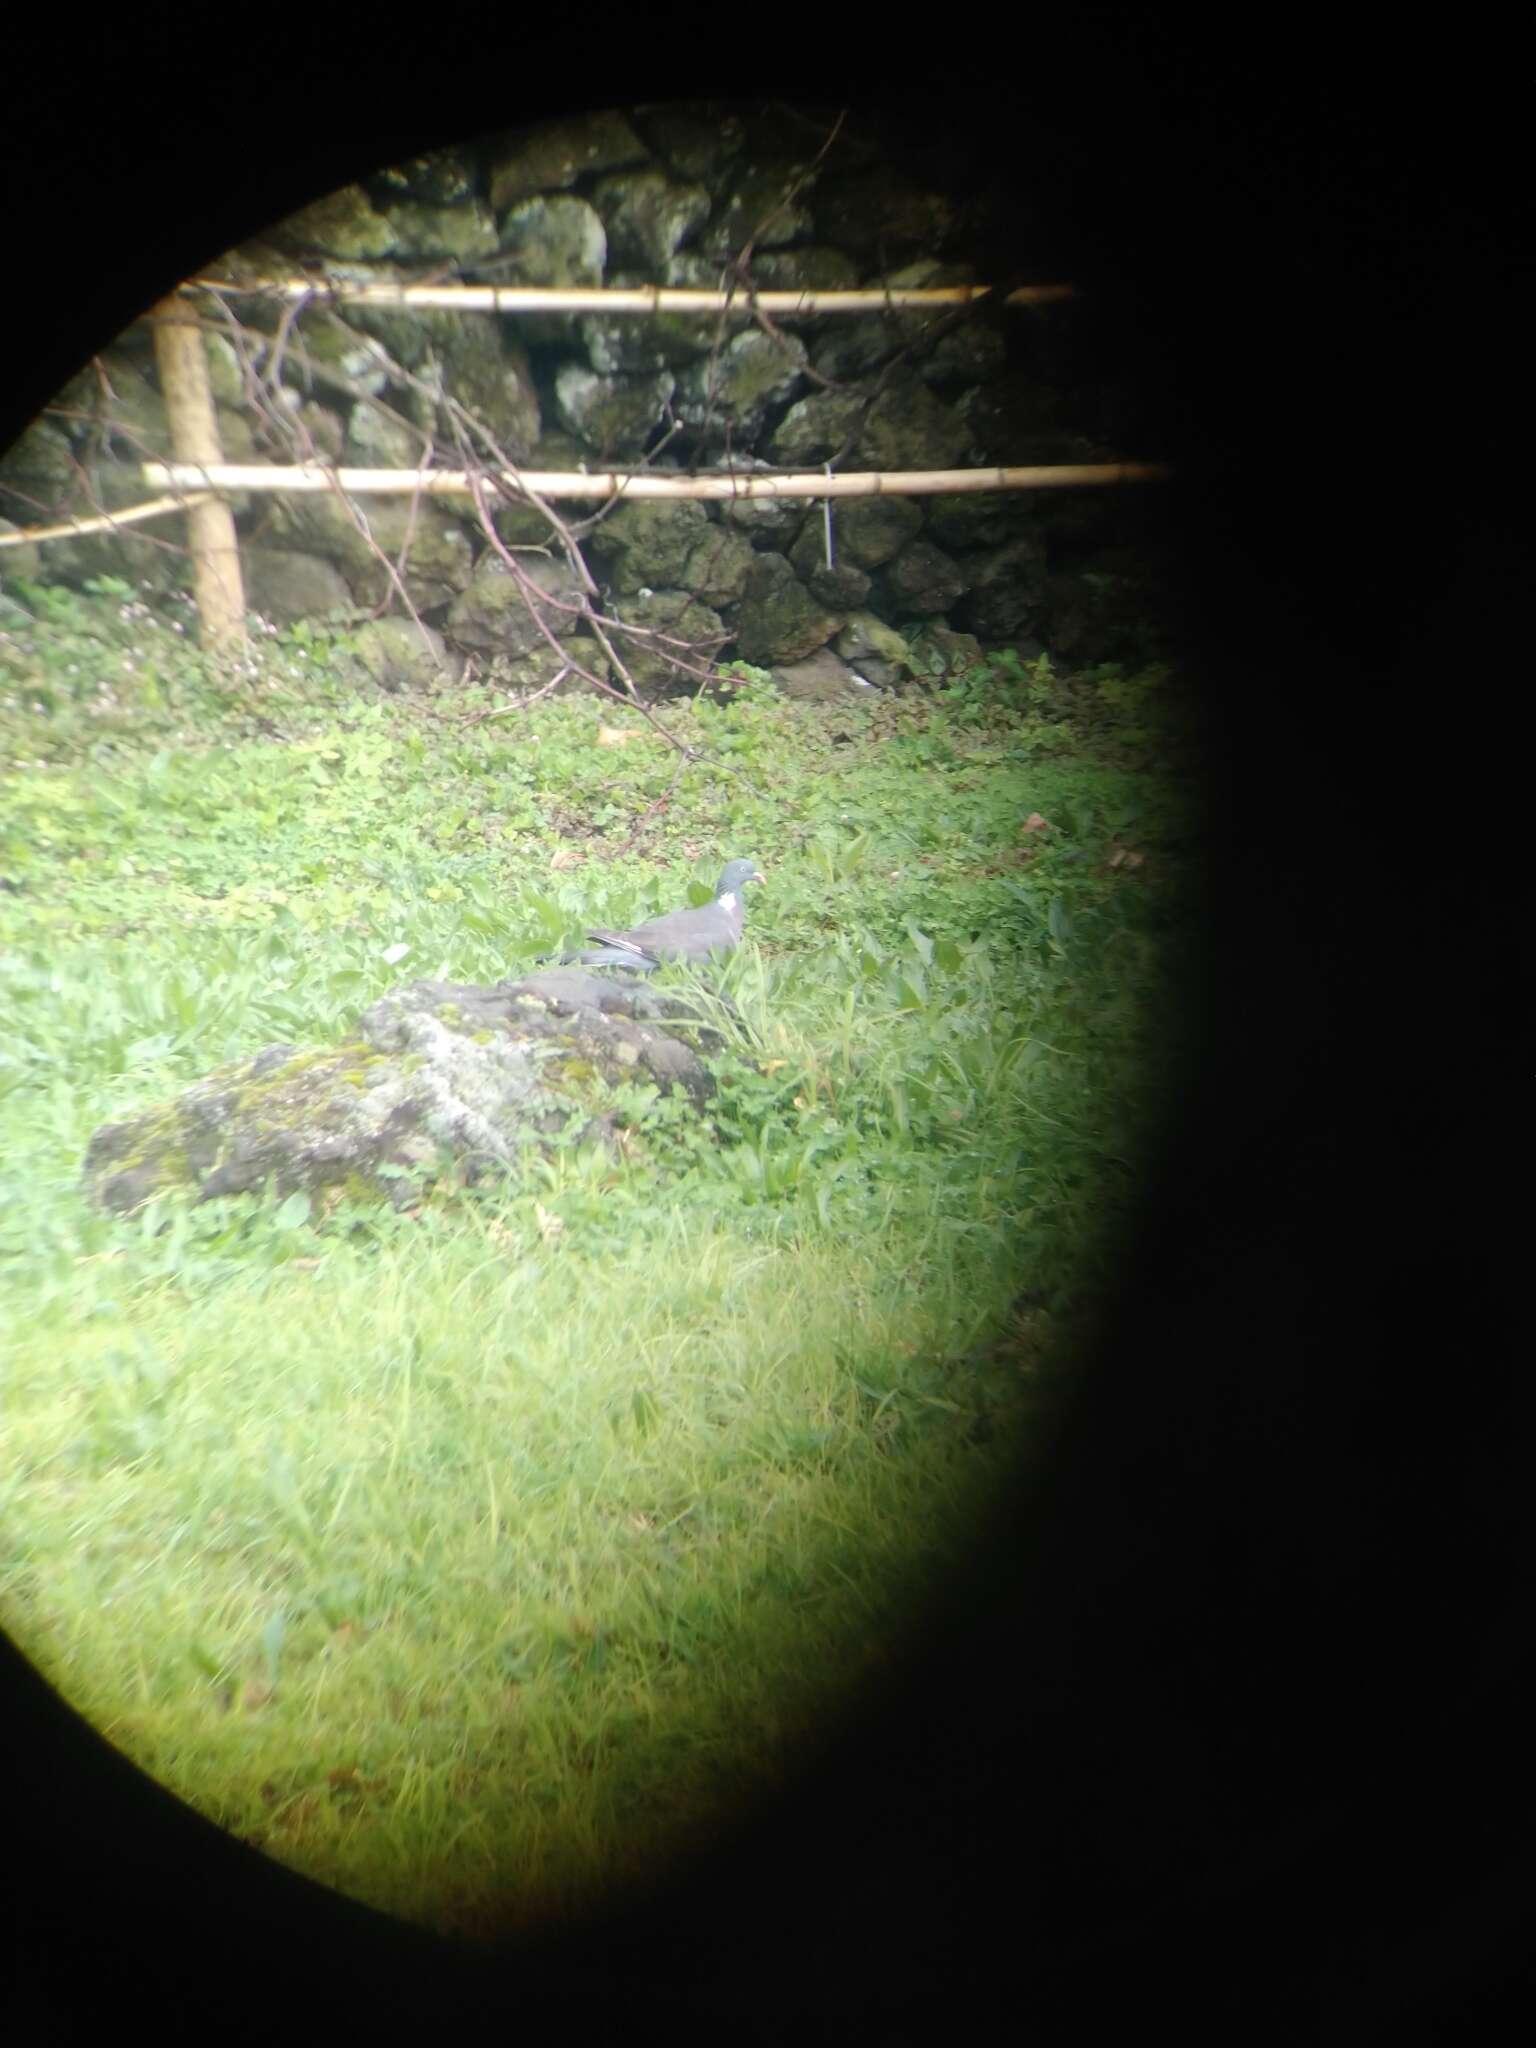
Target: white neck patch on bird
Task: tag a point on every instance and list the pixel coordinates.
(728, 900)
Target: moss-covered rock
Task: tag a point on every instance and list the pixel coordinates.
(687, 634)
(464, 232)
(648, 542)
(822, 678)
(696, 140)
(611, 413)
(483, 1076)
(905, 427)
(766, 205)
(449, 177)
(439, 560)
(733, 392)
(780, 620)
(876, 651)
(284, 584)
(343, 223)
(552, 241)
(495, 615)
(487, 372)
(400, 655)
(647, 216)
(1007, 590)
(553, 155)
(922, 580)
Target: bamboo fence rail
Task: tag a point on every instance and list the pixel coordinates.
(195, 483)
(106, 522)
(602, 484)
(639, 299)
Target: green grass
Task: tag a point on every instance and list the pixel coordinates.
(475, 1558)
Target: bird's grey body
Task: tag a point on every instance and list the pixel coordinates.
(690, 936)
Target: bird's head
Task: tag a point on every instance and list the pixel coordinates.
(736, 877)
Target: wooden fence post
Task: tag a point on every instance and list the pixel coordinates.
(216, 579)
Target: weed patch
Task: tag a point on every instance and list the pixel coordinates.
(496, 1543)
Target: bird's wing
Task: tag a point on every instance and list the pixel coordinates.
(612, 956)
(688, 932)
(627, 942)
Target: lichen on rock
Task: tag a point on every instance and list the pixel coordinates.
(481, 1075)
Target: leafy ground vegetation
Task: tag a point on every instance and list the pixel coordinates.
(471, 1557)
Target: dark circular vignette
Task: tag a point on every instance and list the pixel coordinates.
(1223, 1728)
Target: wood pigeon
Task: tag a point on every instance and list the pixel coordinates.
(691, 936)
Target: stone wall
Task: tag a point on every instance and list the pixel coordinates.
(673, 195)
